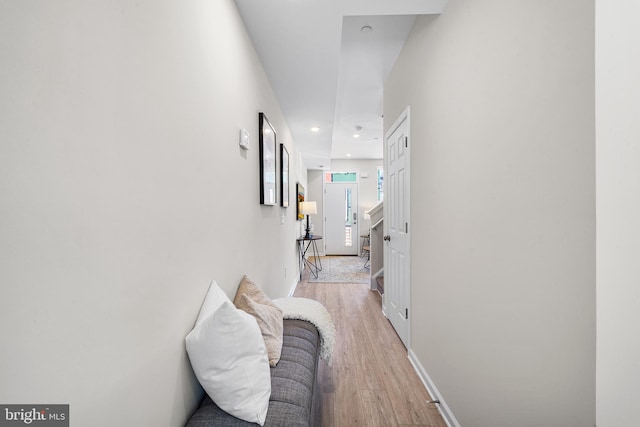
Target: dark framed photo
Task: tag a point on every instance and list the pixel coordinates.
(299, 199)
(268, 154)
(284, 176)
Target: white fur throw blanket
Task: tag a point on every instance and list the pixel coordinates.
(314, 312)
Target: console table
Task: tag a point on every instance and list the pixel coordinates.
(304, 243)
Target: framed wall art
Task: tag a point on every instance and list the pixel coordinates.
(268, 154)
(284, 176)
(299, 198)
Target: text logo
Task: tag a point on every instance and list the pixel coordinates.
(34, 415)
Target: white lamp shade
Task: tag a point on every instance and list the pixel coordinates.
(308, 208)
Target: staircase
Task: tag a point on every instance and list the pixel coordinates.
(376, 248)
(380, 284)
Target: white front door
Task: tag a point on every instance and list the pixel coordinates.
(396, 225)
(341, 218)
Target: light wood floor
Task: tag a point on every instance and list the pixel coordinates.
(370, 381)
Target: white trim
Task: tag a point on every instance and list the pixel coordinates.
(375, 209)
(293, 287)
(373, 282)
(444, 409)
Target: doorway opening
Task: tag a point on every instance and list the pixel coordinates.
(341, 213)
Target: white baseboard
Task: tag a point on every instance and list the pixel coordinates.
(444, 409)
(373, 282)
(292, 289)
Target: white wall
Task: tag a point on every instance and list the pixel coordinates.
(618, 211)
(503, 208)
(123, 193)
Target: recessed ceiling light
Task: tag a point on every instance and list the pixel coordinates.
(366, 29)
(315, 129)
(348, 154)
(356, 135)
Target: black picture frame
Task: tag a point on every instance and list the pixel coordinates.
(284, 176)
(268, 154)
(299, 199)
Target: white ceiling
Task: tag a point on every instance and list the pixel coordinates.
(328, 73)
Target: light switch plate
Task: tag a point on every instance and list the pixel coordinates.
(244, 139)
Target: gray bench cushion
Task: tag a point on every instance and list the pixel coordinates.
(294, 393)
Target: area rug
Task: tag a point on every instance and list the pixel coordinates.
(342, 269)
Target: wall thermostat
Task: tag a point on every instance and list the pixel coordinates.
(244, 139)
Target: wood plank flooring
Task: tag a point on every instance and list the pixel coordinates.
(370, 381)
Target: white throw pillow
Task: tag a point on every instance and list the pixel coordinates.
(229, 358)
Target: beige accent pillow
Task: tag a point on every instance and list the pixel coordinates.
(251, 299)
(249, 288)
(270, 322)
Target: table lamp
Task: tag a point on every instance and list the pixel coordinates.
(308, 208)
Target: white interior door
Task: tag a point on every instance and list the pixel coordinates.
(396, 225)
(341, 218)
